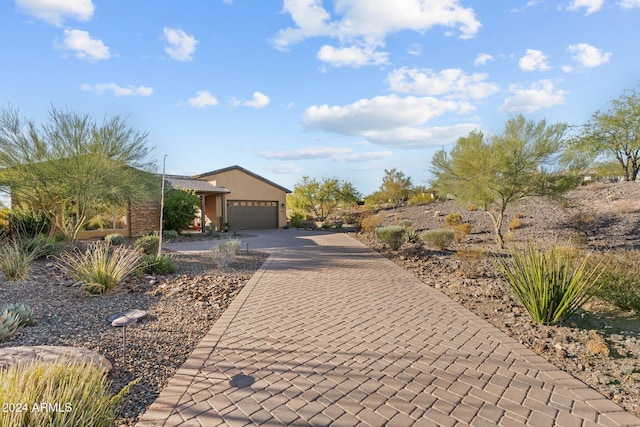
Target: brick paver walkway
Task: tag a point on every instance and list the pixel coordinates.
(331, 333)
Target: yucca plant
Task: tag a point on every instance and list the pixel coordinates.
(80, 391)
(552, 285)
(14, 261)
(100, 268)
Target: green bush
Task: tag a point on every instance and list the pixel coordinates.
(551, 285)
(170, 234)
(420, 199)
(156, 264)
(27, 222)
(81, 390)
(14, 261)
(100, 268)
(393, 236)
(114, 238)
(180, 208)
(439, 238)
(224, 253)
(297, 219)
(148, 244)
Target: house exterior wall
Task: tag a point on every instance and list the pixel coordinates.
(247, 187)
(213, 210)
(144, 218)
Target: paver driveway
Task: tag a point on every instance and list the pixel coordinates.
(328, 332)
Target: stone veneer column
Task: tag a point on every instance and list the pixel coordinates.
(144, 218)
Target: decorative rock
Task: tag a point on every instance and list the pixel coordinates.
(49, 353)
(132, 314)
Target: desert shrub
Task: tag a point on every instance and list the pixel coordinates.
(619, 279)
(224, 253)
(411, 235)
(170, 234)
(14, 261)
(156, 264)
(38, 246)
(515, 223)
(114, 238)
(297, 219)
(420, 199)
(370, 223)
(404, 223)
(549, 284)
(439, 238)
(472, 207)
(148, 244)
(100, 267)
(460, 231)
(583, 222)
(452, 219)
(28, 222)
(180, 208)
(81, 388)
(393, 235)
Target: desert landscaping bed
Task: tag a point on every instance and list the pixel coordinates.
(181, 308)
(600, 345)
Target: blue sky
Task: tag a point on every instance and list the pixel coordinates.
(342, 88)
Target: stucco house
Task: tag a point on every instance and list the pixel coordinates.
(232, 196)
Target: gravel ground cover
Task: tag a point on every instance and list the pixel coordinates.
(601, 345)
(181, 308)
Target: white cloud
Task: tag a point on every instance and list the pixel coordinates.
(588, 56)
(591, 6)
(56, 11)
(538, 95)
(338, 154)
(284, 169)
(452, 82)
(421, 137)
(259, 100)
(118, 90)
(388, 120)
(415, 50)
(180, 45)
(366, 23)
(534, 60)
(351, 56)
(482, 59)
(629, 4)
(203, 99)
(84, 46)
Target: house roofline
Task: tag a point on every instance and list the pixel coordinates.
(248, 172)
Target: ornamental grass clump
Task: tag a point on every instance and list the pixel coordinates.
(552, 285)
(100, 267)
(14, 261)
(224, 253)
(63, 393)
(156, 264)
(392, 235)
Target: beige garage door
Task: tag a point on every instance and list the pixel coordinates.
(252, 214)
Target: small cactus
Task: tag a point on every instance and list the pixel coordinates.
(24, 313)
(9, 324)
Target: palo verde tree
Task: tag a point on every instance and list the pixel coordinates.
(395, 188)
(72, 168)
(614, 134)
(497, 171)
(321, 197)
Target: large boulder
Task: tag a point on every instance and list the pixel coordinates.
(50, 353)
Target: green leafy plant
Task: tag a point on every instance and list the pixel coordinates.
(551, 285)
(439, 238)
(148, 244)
(14, 261)
(156, 264)
(224, 253)
(297, 219)
(100, 268)
(392, 235)
(620, 278)
(81, 390)
(180, 208)
(38, 246)
(170, 234)
(28, 222)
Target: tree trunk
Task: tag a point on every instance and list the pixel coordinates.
(497, 225)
